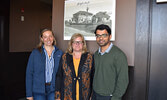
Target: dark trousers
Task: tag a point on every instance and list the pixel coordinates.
(96, 96)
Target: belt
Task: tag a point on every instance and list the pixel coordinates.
(48, 83)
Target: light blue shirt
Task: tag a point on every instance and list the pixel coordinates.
(106, 51)
(49, 66)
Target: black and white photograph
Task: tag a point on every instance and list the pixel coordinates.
(161, 1)
(82, 16)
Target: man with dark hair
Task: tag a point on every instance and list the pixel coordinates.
(111, 67)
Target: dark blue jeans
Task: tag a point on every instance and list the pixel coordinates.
(47, 96)
(96, 96)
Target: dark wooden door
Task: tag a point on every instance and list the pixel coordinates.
(158, 63)
(150, 51)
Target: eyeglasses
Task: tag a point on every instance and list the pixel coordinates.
(77, 42)
(103, 35)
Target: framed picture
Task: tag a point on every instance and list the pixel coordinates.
(160, 1)
(82, 16)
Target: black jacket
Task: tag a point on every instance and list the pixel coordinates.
(66, 78)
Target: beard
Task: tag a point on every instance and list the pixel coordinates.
(103, 43)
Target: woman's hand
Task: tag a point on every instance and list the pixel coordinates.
(30, 98)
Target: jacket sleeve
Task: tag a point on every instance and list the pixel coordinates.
(92, 70)
(122, 78)
(92, 75)
(59, 79)
(29, 76)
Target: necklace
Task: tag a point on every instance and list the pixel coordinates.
(49, 56)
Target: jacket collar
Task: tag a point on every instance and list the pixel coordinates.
(71, 65)
(43, 53)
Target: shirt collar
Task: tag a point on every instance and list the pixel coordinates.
(106, 51)
(46, 51)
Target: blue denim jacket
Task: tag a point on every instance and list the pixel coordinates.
(35, 73)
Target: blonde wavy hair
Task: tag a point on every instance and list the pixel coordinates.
(41, 43)
(74, 36)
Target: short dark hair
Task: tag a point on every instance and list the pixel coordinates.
(103, 27)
